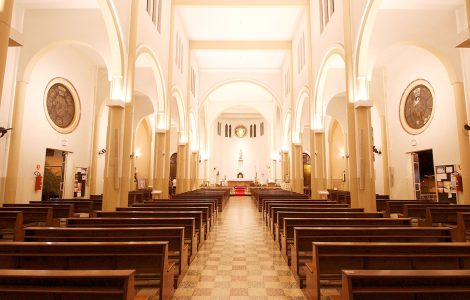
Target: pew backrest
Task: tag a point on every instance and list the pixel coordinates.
(67, 284)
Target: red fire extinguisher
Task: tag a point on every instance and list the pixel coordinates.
(38, 181)
(459, 185)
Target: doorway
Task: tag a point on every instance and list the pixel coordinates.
(54, 174)
(424, 176)
(307, 173)
(173, 168)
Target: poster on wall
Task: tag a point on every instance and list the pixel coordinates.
(446, 184)
(79, 187)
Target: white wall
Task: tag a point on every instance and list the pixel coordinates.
(38, 134)
(224, 154)
(406, 65)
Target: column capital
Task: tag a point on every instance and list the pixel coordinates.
(364, 104)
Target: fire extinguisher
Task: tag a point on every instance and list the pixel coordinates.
(38, 181)
(459, 186)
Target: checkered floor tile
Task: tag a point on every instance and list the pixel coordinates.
(239, 260)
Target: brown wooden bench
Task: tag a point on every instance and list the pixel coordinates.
(287, 233)
(80, 206)
(305, 236)
(34, 215)
(272, 208)
(297, 214)
(220, 198)
(295, 203)
(397, 206)
(273, 195)
(96, 199)
(149, 259)
(329, 259)
(444, 215)
(190, 235)
(59, 211)
(275, 210)
(177, 249)
(266, 201)
(405, 285)
(462, 232)
(212, 204)
(67, 284)
(205, 213)
(12, 223)
(418, 211)
(197, 215)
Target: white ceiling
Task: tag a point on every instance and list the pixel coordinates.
(240, 92)
(57, 4)
(422, 4)
(235, 23)
(241, 59)
(240, 23)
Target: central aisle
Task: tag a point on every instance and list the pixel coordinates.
(239, 260)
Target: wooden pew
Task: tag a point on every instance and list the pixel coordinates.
(149, 259)
(220, 198)
(177, 250)
(272, 208)
(12, 221)
(190, 235)
(267, 204)
(444, 215)
(297, 214)
(304, 236)
(405, 285)
(397, 206)
(80, 206)
(462, 232)
(278, 195)
(34, 215)
(67, 284)
(197, 215)
(59, 211)
(418, 211)
(266, 201)
(329, 259)
(206, 216)
(275, 210)
(96, 199)
(165, 202)
(287, 234)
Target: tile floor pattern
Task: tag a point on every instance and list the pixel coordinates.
(239, 260)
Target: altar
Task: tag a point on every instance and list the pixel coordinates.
(240, 182)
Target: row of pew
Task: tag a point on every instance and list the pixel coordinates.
(125, 254)
(345, 253)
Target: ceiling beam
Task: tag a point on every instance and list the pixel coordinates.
(240, 2)
(240, 45)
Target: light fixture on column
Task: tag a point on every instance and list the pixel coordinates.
(376, 150)
(102, 151)
(466, 127)
(3, 131)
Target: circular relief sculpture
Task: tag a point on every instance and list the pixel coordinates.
(417, 106)
(240, 131)
(62, 105)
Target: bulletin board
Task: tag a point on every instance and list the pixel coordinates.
(446, 183)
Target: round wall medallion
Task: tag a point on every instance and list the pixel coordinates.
(417, 106)
(240, 131)
(62, 105)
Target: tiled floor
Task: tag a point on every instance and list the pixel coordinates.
(239, 261)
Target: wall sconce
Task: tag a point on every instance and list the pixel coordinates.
(3, 131)
(466, 127)
(376, 150)
(343, 154)
(102, 151)
(135, 154)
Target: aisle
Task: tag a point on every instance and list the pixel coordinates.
(239, 261)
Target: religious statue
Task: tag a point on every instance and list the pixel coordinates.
(240, 155)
